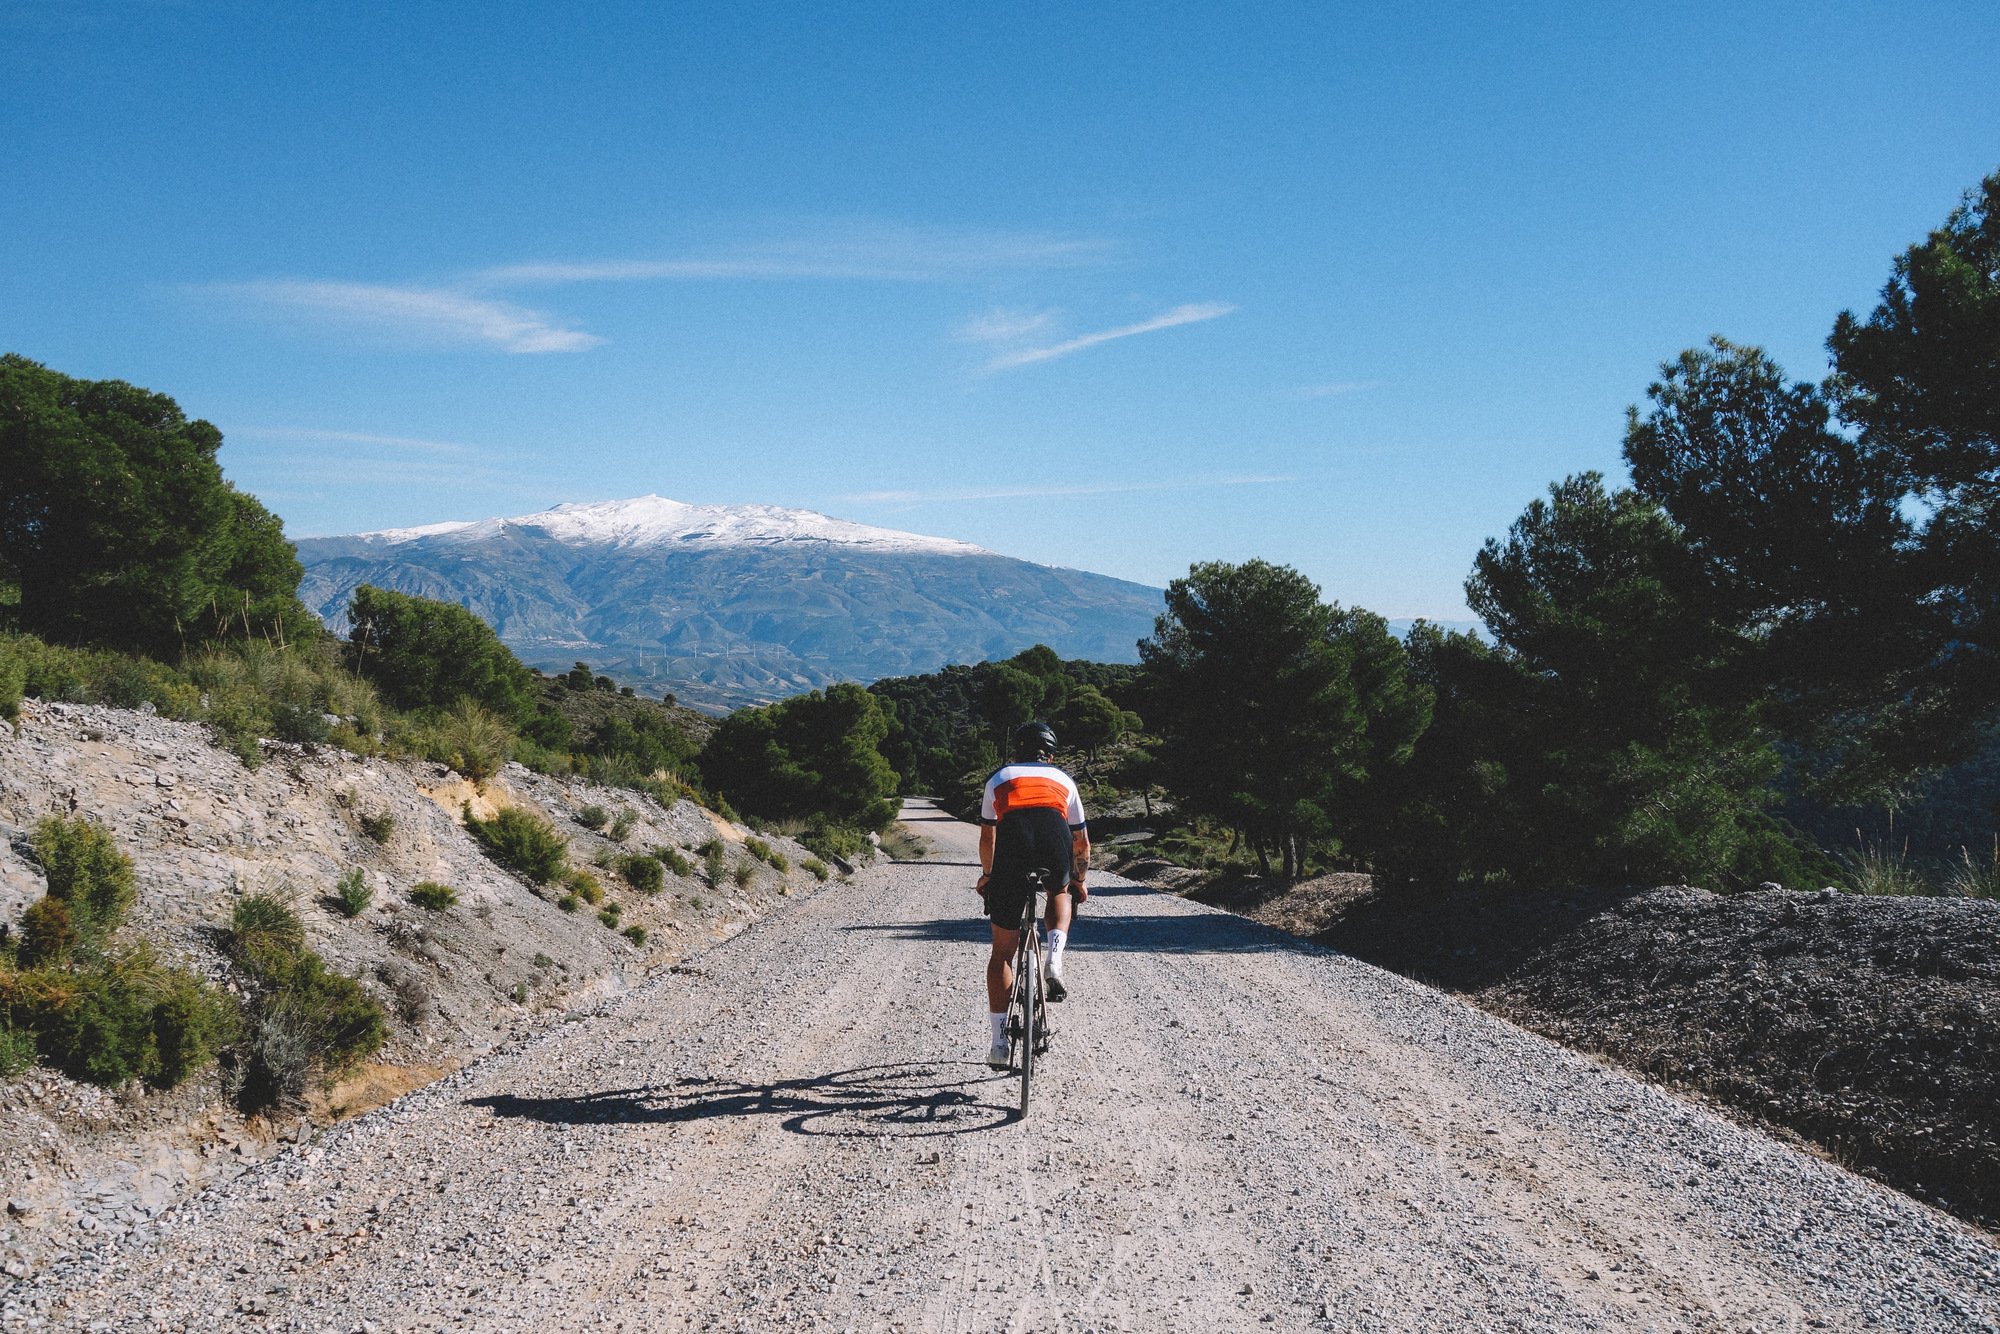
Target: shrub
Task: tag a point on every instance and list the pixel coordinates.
(745, 872)
(301, 724)
(695, 903)
(592, 817)
(636, 934)
(1973, 877)
(674, 861)
(521, 841)
(352, 894)
(584, 885)
(713, 861)
(135, 1018)
(468, 737)
(47, 938)
(641, 872)
(825, 839)
(266, 938)
(13, 686)
(568, 902)
(378, 827)
(610, 914)
(431, 895)
(543, 961)
(1879, 870)
(764, 852)
(622, 826)
(17, 1051)
(87, 872)
(312, 1023)
(816, 868)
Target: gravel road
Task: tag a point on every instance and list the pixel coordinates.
(1233, 1130)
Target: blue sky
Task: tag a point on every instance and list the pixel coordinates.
(1119, 287)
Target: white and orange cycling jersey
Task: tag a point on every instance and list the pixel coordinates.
(1028, 785)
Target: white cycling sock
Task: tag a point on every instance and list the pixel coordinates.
(999, 1022)
(1057, 938)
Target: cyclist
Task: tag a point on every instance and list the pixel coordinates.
(1030, 817)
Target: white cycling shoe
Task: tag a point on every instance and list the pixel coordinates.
(996, 1056)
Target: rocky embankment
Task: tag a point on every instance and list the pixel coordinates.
(202, 830)
(1867, 1027)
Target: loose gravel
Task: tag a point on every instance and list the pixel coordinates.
(1232, 1130)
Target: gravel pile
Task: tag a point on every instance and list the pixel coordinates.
(1868, 1026)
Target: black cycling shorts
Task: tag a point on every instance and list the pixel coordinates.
(1038, 837)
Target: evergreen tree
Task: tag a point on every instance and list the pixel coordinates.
(117, 527)
(425, 654)
(1273, 707)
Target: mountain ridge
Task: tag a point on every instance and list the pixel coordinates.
(730, 605)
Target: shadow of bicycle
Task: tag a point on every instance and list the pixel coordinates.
(912, 1099)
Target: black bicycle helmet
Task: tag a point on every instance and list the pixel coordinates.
(1034, 740)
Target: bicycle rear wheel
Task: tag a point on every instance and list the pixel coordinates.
(1028, 983)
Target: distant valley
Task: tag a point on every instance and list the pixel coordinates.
(730, 605)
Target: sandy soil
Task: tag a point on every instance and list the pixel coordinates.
(1232, 1130)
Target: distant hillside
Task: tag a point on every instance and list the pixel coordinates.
(728, 605)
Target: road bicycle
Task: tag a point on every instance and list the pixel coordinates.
(1027, 1018)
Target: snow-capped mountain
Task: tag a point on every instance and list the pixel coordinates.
(731, 604)
(652, 521)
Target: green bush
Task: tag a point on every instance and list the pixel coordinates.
(641, 872)
(610, 914)
(816, 868)
(584, 885)
(266, 938)
(568, 902)
(352, 894)
(13, 686)
(47, 939)
(129, 1017)
(87, 873)
(834, 842)
(17, 1051)
(621, 826)
(431, 895)
(467, 737)
(674, 861)
(713, 862)
(764, 852)
(378, 827)
(521, 841)
(315, 1025)
(745, 872)
(592, 817)
(636, 934)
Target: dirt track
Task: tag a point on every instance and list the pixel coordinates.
(1234, 1131)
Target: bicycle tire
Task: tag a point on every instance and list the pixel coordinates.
(1029, 974)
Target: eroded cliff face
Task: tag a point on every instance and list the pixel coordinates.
(202, 831)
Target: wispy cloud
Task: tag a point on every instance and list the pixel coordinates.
(307, 436)
(876, 252)
(1041, 492)
(1004, 326)
(428, 313)
(1337, 388)
(1172, 319)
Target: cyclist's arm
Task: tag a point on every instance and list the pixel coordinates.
(1079, 855)
(985, 855)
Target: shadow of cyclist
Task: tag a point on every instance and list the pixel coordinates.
(913, 1099)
